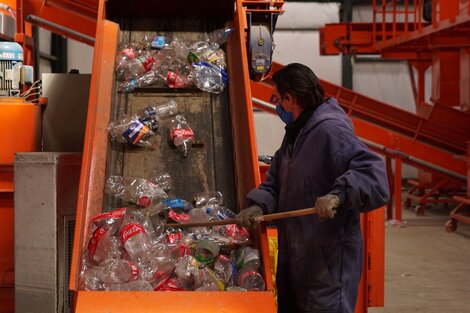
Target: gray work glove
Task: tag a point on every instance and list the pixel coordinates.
(244, 217)
(325, 206)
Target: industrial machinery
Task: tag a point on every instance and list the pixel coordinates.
(13, 73)
(228, 156)
(231, 114)
(399, 31)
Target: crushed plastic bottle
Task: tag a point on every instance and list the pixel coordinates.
(208, 77)
(251, 280)
(147, 79)
(225, 269)
(112, 219)
(134, 130)
(220, 36)
(135, 239)
(204, 199)
(90, 280)
(181, 134)
(137, 66)
(126, 54)
(135, 190)
(103, 245)
(219, 212)
(205, 279)
(185, 268)
(116, 271)
(248, 258)
(162, 111)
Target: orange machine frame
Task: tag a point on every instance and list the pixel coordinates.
(21, 121)
(90, 196)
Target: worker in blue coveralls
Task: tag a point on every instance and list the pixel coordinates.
(320, 163)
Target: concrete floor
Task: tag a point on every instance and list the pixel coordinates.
(426, 269)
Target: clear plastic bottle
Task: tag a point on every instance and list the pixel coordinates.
(203, 51)
(140, 285)
(219, 212)
(103, 245)
(134, 130)
(144, 80)
(162, 111)
(135, 239)
(220, 36)
(135, 190)
(206, 278)
(117, 271)
(208, 77)
(251, 280)
(139, 65)
(198, 215)
(126, 54)
(248, 258)
(90, 280)
(181, 134)
(225, 269)
(209, 198)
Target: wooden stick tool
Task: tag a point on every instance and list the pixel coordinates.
(261, 218)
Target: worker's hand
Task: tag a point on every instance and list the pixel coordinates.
(325, 206)
(244, 217)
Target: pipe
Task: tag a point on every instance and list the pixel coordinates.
(406, 157)
(40, 21)
(264, 104)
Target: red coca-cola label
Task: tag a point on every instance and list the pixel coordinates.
(170, 285)
(128, 52)
(182, 133)
(144, 201)
(183, 250)
(148, 64)
(171, 78)
(173, 237)
(135, 270)
(116, 214)
(95, 239)
(130, 230)
(231, 230)
(178, 217)
(161, 277)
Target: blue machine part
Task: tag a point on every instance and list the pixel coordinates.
(11, 51)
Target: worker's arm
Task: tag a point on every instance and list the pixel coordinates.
(267, 194)
(364, 184)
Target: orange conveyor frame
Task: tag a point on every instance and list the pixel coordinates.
(90, 195)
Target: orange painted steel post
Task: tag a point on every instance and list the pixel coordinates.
(446, 77)
(465, 78)
(421, 67)
(397, 189)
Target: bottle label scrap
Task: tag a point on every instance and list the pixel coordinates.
(136, 132)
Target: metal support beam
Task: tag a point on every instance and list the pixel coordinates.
(59, 50)
(346, 63)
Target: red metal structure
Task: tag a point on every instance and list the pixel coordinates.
(398, 31)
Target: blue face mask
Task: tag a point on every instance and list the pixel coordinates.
(286, 117)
